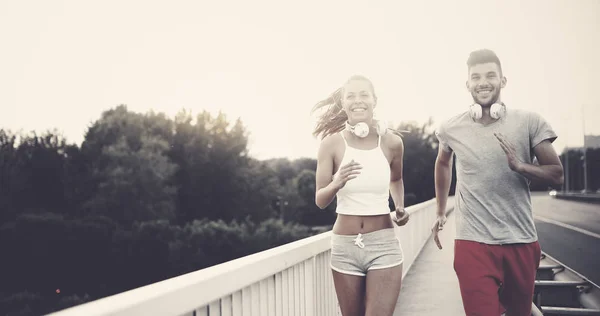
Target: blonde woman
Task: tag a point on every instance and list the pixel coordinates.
(360, 163)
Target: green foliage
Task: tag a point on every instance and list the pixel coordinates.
(420, 152)
(134, 184)
(22, 304)
(131, 169)
(310, 214)
(94, 257)
(274, 232)
(216, 179)
(31, 165)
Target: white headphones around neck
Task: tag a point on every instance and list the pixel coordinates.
(497, 110)
(362, 129)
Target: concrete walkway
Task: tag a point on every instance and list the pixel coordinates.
(431, 286)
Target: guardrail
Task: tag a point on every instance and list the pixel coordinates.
(593, 197)
(292, 279)
(560, 290)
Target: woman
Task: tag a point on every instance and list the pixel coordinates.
(361, 164)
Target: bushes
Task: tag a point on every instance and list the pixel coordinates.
(96, 257)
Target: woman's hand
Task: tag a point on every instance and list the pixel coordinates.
(346, 173)
(400, 216)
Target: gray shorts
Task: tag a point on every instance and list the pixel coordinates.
(357, 254)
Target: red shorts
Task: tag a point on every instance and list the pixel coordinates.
(496, 278)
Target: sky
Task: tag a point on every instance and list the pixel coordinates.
(63, 63)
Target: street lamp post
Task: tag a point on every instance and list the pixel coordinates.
(566, 168)
(585, 173)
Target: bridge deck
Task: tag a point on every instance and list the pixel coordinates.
(431, 286)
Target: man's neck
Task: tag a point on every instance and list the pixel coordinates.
(486, 118)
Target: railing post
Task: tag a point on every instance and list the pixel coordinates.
(309, 286)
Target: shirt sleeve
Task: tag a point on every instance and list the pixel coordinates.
(540, 130)
(440, 133)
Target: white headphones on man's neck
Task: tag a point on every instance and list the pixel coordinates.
(362, 129)
(497, 110)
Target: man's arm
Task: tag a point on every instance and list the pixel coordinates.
(550, 170)
(443, 178)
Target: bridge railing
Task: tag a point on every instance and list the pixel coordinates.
(292, 279)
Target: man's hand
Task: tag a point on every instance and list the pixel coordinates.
(438, 225)
(511, 154)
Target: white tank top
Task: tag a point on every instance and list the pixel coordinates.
(368, 193)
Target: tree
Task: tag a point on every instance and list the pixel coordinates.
(131, 170)
(216, 178)
(32, 173)
(420, 152)
(305, 185)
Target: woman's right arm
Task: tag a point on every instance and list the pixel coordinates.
(327, 186)
(325, 189)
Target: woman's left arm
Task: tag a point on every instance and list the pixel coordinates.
(396, 181)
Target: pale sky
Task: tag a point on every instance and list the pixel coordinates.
(268, 61)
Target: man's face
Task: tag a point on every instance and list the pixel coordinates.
(485, 82)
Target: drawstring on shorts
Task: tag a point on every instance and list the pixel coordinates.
(358, 241)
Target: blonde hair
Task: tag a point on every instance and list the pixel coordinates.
(334, 119)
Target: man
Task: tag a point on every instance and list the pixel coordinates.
(496, 252)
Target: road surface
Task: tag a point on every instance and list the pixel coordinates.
(570, 232)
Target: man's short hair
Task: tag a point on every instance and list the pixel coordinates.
(483, 56)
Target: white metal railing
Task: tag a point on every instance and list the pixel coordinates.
(416, 233)
(292, 279)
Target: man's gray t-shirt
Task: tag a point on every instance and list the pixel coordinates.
(492, 202)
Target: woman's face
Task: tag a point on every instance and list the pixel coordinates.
(358, 101)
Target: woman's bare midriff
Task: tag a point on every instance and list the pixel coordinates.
(352, 225)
